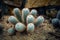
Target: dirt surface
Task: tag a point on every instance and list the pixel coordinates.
(40, 33)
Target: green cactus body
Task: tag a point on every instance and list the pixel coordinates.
(30, 19)
(25, 12)
(34, 12)
(39, 20)
(20, 27)
(30, 27)
(11, 31)
(12, 19)
(17, 14)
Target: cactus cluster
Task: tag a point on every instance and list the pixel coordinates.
(56, 21)
(26, 20)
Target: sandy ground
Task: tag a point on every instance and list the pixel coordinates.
(40, 33)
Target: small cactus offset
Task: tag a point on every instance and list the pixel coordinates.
(25, 12)
(13, 20)
(39, 20)
(34, 12)
(11, 31)
(30, 27)
(29, 20)
(20, 27)
(17, 13)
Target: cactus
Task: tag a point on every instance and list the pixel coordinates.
(34, 12)
(30, 19)
(39, 20)
(16, 11)
(12, 19)
(20, 27)
(25, 12)
(30, 27)
(58, 15)
(11, 31)
(55, 22)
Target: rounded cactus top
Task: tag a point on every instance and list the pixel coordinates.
(12, 19)
(20, 27)
(34, 12)
(55, 21)
(40, 18)
(16, 10)
(10, 30)
(30, 27)
(30, 18)
(25, 10)
(17, 13)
